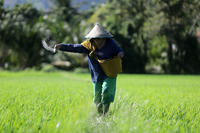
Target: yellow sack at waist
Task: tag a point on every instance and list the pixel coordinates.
(111, 67)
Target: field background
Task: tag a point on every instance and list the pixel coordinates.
(63, 102)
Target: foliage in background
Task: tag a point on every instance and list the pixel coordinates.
(23, 27)
(182, 17)
(20, 37)
(158, 36)
(147, 31)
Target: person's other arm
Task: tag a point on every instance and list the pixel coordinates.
(117, 50)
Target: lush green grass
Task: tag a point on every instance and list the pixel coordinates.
(62, 102)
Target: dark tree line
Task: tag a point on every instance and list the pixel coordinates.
(158, 36)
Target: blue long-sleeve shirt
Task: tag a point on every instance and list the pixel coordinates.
(109, 50)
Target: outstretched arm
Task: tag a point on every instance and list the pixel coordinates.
(75, 48)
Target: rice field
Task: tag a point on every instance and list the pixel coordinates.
(62, 102)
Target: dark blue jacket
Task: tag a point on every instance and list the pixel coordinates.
(109, 50)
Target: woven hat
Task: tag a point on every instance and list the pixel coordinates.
(98, 32)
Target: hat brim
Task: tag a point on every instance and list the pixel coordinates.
(92, 37)
(98, 32)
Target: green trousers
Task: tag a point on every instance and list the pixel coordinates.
(104, 92)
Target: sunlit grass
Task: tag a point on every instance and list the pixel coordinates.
(63, 102)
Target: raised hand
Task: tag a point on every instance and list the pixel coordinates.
(120, 55)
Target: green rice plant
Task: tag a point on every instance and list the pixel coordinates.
(63, 102)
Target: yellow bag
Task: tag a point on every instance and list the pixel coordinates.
(111, 67)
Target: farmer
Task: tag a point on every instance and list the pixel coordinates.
(104, 59)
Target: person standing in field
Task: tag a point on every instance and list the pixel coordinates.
(104, 59)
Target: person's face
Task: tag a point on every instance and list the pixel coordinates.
(99, 42)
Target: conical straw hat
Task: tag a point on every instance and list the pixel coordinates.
(98, 32)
